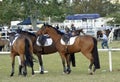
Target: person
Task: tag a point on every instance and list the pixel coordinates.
(67, 31)
(67, 35)
(72, 57)
(57, 26)
(73, 28)
(104, 40)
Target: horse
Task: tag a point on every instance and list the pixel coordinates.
(117, 33)
(99, 33)
(41, 49)
(21, 46)
(3, 44)
(79, 31)
(85, 44)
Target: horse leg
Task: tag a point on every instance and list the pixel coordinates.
(63, 62)
(90, 68)
(32, 70)
(13, 63)
(24, 70)
(67, 56)
(23, 64)
(89, 56)
(72, 59)
(41, 64)
(20, 66)
(20, 70)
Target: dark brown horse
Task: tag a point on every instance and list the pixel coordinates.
(40, 50)
(85, 44)
(99, 33)
(21, 46)
(117, 34)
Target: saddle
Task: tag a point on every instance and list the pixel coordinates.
(66, 38)
(43, 40)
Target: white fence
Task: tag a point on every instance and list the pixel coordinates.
(110, 55)
(103, 50)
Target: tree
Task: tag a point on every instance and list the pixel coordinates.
(57, 10)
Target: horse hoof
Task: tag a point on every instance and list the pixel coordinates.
(42, 72)
(91, 73)
(24, 73)
(11, 74)
(68, 71)
(33, 73)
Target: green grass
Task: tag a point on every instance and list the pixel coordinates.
(52, 64)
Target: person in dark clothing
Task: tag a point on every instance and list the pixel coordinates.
(57, 26)
(73, 28)
(72, 57)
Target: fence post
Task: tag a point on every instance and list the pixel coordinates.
(19, 61)
(110, 60)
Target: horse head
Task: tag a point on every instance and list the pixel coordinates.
(43, 30)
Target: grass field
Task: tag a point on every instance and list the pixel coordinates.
(52, 64)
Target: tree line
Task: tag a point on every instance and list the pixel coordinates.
(56, 9)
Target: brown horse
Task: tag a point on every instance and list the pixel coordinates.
(79, 31)
(4, 44)
(39, 50)
(21, 46)
(86, 44)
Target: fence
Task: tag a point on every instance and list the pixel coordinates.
(108, 50)
(110, 55)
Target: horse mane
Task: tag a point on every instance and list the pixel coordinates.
(58, 31)
(29, 33)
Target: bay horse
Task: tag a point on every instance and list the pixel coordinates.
(79, 31)
(21, 46)
(85, 44)
(40, 50)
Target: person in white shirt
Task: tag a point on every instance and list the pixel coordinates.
(104, 40)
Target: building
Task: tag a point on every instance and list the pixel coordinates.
(86, 21)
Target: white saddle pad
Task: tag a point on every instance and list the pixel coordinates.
(70, 42)
(48, 42)
(11, 43)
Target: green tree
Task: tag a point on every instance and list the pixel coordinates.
(42, 9)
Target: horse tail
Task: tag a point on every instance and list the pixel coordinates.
(95, 55)
(28, 54)
(72, 59)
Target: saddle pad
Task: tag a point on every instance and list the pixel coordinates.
(11, 43)
(48, 42)
(70, 42)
